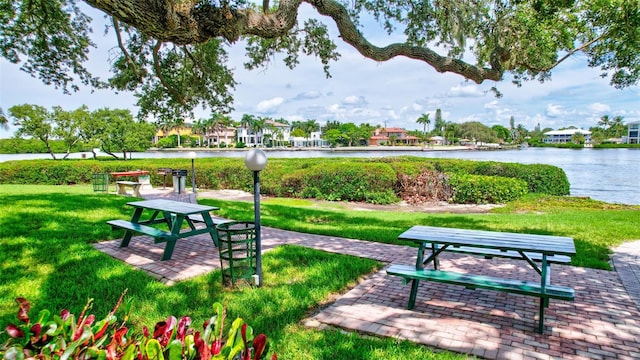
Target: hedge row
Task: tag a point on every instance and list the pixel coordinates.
(348, 179)
(480, 189)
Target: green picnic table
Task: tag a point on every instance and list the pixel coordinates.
(172, 215)
(538, 251)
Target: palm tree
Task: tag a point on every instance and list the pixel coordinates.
(218, 124)
(164, 127)
(425, 121)
(617, 125)
(255, 124)
(178, 123)
(306, 127)
(4, 121)
(605, 122)
(309, 127)
(198, 128)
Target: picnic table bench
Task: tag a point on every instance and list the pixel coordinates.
(121, 186)
(539, 251)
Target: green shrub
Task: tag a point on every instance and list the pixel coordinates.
(479, 189)
(543, 179)
(167, 143)
(342, 181)
(616, 146)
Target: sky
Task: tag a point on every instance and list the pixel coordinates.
(390, 94)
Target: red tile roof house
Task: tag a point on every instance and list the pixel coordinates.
(382, 137)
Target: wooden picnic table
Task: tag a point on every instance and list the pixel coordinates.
(129, 173)
(171, 213)
(538, 251)
(142, 180)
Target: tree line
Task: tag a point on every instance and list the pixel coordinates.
(114, 131)
(606, 130)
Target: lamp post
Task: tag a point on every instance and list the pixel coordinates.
(192, 155)
(256, 161)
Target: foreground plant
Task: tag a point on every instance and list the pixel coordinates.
(64, 337)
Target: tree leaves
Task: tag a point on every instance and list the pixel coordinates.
(173, 57)
(50, 39)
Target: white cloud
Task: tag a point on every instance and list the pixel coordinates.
(392, 114)
(336, 108)
(466, 91)
(491, 105)
(353, 100)
(555, 110)
(291, 118)
(599, 107)
(266, 106)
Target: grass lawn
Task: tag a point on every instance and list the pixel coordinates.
(46, 234)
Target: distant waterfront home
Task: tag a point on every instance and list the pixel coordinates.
(220, 136)
(274, 132)
(565, 136)
(436, 140)
(633, 136)
(183, 130)
(314, 140)
(384, 137)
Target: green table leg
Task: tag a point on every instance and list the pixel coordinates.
(129, 234)
(414, 292)
(544, 302)
(175, 235)
(209, 222)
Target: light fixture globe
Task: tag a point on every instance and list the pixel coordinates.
(255, 160)
(192, 155)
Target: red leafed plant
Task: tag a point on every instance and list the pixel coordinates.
(63, 337)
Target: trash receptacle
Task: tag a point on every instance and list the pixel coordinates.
(101, 182)
(237, 248)
(179, 180)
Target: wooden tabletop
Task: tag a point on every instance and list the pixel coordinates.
(175, 207)
(505, 241)
(130, 173)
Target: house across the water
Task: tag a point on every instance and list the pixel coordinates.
(565, 136)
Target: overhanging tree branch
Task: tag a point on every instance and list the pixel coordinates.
(180, 23)
(134, 67)
(158, 70)
(578, 49)
(352, 36)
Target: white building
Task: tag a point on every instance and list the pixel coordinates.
(564, 136)
(277, 134)
(274, 132)
(314, 140)
(633, 135)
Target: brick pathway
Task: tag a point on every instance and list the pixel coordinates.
(602, 323)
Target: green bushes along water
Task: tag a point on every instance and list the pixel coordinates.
(379, 180)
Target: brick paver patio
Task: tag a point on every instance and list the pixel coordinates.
(602, 323)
